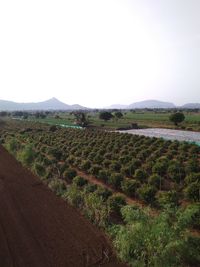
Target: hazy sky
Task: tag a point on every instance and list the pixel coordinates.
(100, 52)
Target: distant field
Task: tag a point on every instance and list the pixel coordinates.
(143, 119)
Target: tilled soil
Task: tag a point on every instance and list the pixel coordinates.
(38, 229)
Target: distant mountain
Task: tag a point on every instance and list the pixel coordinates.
(116, 106)
(144, 104)
(151, 104)
(191, 106)
(51, 104)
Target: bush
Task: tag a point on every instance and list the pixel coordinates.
(57, 186)
(160, 168)
(85, 165)
(192, 191)
(79, 181)
(94, 170)
(156, 180)
(74, 196)
(140, 174)
(27, 156)
(116, 202)
(130, 186)
(176, 172)
(115, 180)
(192, 178)
(69, 174)
(103, 192)
(39, 169)
(170, 198)
(147, 193)
(104, 175)
(155, 241)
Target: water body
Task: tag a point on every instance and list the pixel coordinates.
(168, 134)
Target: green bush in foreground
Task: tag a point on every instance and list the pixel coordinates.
(157, 241)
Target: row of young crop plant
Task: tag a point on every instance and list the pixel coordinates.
(153, 170)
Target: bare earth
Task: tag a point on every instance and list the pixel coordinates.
(38, 229)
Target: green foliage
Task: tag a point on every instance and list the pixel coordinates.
(39, 169)
(169, 198)
(27, 155)
(13, 146)
(176, 171)
(57, 186)
(69, 174)
(115, 180)
(79, 181)
(140, 175)
(74, 196)
(177, 117)
(156, 181)
(154, 241)
(105, 115)
(96, 209)
(118, 114)
(130, 186)
(147, 193)
(192, 191)
(116, 202)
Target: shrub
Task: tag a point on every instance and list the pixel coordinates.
(115, 180)
(176, 172)
(130, 186)
(170, 198)
(147, 193)
(57, 186)
(39, 169)
(27, 156)
(192, 191)
(73, 196)
(79, 181)
(160, 168)
(94, 170)
(155, 180)
(140, 174)
(116, 202)
(69, 174)
(155, 241)
(192, 178)
(103, 192)
(96, 209)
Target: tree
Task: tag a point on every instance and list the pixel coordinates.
(105, 115)
(118, 114)
(81, 119)
(177, 117)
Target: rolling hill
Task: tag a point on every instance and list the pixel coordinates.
(50, 104)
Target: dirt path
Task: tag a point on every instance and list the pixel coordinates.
(39, 229)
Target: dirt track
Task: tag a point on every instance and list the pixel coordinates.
(39, 229)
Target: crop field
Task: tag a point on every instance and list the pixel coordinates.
(142, 118)
(102, 173)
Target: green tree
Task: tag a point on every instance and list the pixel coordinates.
(105, 115)
(177, 117)
(118, 114)
(81, 119)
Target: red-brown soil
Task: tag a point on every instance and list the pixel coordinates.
(38, 229)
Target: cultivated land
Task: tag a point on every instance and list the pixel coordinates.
(142, 118)
(39, 229)
(142, 191)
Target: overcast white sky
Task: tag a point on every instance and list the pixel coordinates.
(98, 53)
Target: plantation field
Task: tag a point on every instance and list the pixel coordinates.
(162, 176)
